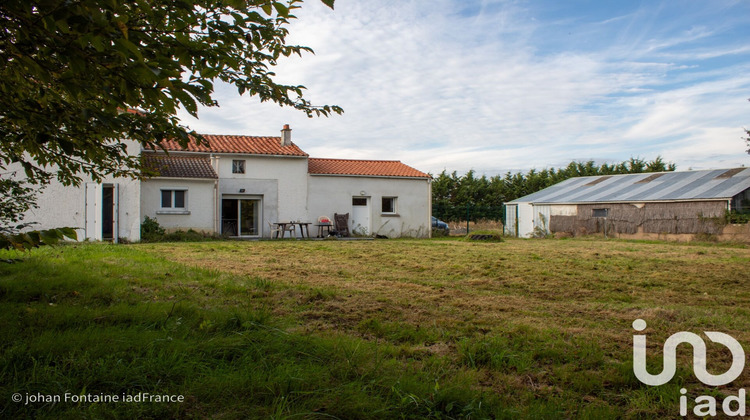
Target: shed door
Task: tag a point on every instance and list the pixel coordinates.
(511, 223)
(542, 215)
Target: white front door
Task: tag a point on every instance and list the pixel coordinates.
(360, 219)
(102, 212)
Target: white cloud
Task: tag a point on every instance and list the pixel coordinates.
(438, 89)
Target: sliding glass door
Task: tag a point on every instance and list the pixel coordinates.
(240, 217)
(249, 220)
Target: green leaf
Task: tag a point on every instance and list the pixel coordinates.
(49, 237)
(69, 232)
(281, 9)
(98, 43)
(71, 70)
(186, 100)
(328, 3)
(124, 45)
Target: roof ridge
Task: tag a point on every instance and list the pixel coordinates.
(668, 172)
(238, 135)
(653, 173)
(359, 160)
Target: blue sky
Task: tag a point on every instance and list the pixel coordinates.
(500, 86)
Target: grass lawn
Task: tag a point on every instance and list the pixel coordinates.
(371, 329)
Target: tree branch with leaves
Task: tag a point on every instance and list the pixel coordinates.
(16, 198)
(71, 70)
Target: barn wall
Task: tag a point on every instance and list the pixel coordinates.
(649, 218)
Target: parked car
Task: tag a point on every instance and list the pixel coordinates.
(439, 224)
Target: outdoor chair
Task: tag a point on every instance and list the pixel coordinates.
(292, 229)
(341, 223)
(275, 229)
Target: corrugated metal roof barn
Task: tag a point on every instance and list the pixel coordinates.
(687, 202)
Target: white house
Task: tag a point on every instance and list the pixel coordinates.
(239, 186)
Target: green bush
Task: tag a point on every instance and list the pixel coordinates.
(188, 236)
(735, 217)
(439, 233)
(151, 230)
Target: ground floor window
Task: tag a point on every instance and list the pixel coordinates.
(389, 205)
(240, 217)
(600, 212)
(173, 199)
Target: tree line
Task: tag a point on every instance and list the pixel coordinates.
(454, 196)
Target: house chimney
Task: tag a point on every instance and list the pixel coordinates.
(286, 136)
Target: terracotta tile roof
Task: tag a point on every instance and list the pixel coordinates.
(394, 168)
(239, 144)
(180, 166)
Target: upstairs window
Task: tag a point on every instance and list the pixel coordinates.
(238, 166)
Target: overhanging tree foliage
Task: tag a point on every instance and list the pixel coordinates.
(16, 198)
(71, 67)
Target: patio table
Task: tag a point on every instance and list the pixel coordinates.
(321, 226)
(304, 228)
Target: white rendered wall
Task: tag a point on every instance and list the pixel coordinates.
(280, 181)
(65, 206)
(200, 203)
(333, 194)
